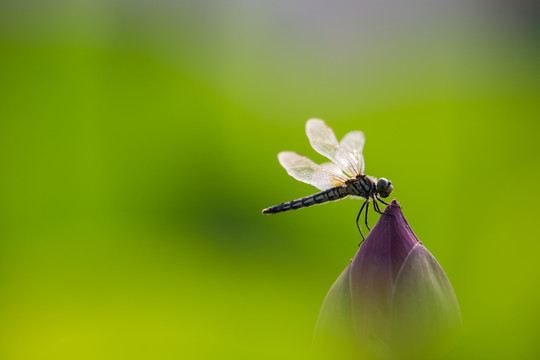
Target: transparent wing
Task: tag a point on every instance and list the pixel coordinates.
(324, 141)
(332, 168)
(303, 169)
(353, 144)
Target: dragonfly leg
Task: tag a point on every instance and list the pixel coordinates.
(377, 208)
(382, 213)
(381, 200)
(357, 222)
(367, 208)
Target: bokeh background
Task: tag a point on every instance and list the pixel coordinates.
(138, 144)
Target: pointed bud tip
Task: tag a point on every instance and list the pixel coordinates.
(393, 208)
(392, 226)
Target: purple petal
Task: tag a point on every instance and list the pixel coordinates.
(424, 304)
(374, 270)
(393, 298)
(335, 326)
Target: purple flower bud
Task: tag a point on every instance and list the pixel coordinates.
(392, 301)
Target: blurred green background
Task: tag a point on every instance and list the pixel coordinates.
(138, 145)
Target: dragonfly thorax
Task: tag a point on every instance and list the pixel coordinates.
(363, 186)
(368, 187)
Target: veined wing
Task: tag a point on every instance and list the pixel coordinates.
(333, 169)
(324, 141)
(353, 144)
(303, 169)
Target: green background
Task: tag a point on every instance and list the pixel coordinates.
(138, 145)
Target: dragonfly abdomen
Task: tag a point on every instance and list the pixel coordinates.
(331, 194)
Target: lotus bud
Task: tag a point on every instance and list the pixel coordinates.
(393, 301)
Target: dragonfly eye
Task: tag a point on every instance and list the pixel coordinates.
(384, 187)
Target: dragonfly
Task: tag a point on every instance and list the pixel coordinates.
(341, 177)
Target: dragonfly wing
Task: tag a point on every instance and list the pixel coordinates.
(353, 144)
(335, 172)
(332, 168)
(303, 169)
(324, 141)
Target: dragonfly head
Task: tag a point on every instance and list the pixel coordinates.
(384, 187)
